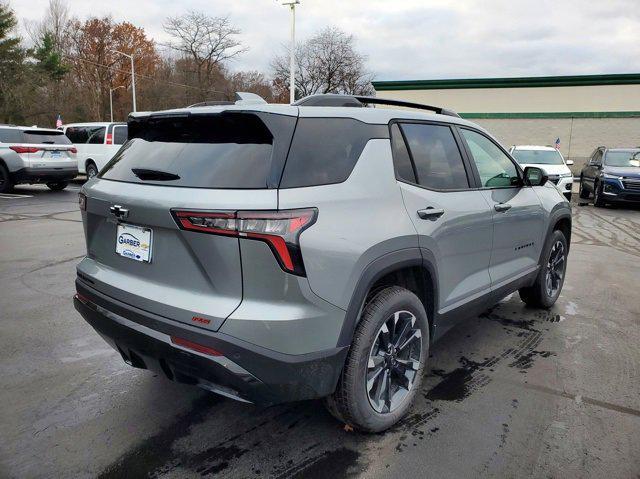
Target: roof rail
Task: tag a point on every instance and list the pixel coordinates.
(241, 98)
(360, 101)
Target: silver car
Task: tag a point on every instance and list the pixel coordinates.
(35, 155)
(274, 253)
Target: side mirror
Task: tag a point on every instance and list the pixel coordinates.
(569, 162)
(534, 176)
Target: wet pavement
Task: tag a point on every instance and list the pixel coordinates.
(514, 392)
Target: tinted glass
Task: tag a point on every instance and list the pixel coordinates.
(325, 150)
(538, 157)
(401, 159)
(622, 158)
(10, 135)
(96, 135)
(202, 151)
(119, 135)
(494, 166)
(46, 137)
(436, 156)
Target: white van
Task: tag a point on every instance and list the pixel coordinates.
(96, 143)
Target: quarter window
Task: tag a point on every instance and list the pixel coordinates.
(436, 156)
(494, 166)
(401, 158)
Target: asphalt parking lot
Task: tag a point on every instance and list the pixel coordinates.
(514, 392)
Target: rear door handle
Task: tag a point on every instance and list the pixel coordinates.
(430, 213)
(502, 207)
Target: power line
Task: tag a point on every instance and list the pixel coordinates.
(147, 77)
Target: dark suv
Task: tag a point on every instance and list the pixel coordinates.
(612, 175)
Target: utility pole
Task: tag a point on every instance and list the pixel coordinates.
(133, 77)
(111, 90)
(292, 61)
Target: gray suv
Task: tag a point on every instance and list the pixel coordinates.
(273, 253)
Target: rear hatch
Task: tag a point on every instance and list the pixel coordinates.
(47, 149)
(221, 161)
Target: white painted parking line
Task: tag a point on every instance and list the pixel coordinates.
(9, 196)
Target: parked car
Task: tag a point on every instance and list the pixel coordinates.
(96, 144)
(550, 160)
(612, 175)
(275, 253)
(35, 155)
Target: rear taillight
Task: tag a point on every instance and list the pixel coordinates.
(279, 229)
(82, 201)
(109, 139)
(73, 150)
(25, 149)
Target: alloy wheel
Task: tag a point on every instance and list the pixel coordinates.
(394, 362)
(555, 269)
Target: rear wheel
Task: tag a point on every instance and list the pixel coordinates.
(384, 368)
(92, 170)
(584, 194)
(57, 185)
(6, 185)
(546, 289)
(597, 195)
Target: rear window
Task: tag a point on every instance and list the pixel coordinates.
(325, 150)
(119, 135)
(45, 137)
(226, 150)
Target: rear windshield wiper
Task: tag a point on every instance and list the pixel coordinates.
(154, 175)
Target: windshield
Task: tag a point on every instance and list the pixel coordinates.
(538, 157)
(623, 158)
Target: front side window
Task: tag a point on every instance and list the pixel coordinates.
(494, 166)
(436, 156)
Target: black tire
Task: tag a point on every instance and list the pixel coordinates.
(6, 185)
(584, 194)
(538, 294)
(351, 401)
(92, 170)
(57, 185)
(597, 195)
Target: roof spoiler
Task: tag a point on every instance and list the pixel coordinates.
(241, 98)
(360, 101)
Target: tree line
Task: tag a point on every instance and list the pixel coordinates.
(71, 66)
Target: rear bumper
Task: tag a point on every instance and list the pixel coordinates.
(44, 175)
(243, 371)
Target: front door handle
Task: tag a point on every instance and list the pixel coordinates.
(430, 213)
(502, 207)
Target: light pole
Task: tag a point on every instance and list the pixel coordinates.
(133, 77)
(292, 61)
(111, 90)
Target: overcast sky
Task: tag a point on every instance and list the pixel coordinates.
(417, 39)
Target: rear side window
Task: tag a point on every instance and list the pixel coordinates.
(226, 150)
(325, 150)
(436, 156)
(96, 135)
(10, 135)
(45, 137)
(119, 135)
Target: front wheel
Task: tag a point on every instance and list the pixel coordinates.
(597, 195)
(57, 185)
(546, 289)
(384, 367)
(584, 194)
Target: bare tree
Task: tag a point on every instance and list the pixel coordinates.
(55, 22)
(206, 41)
(326, 63)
